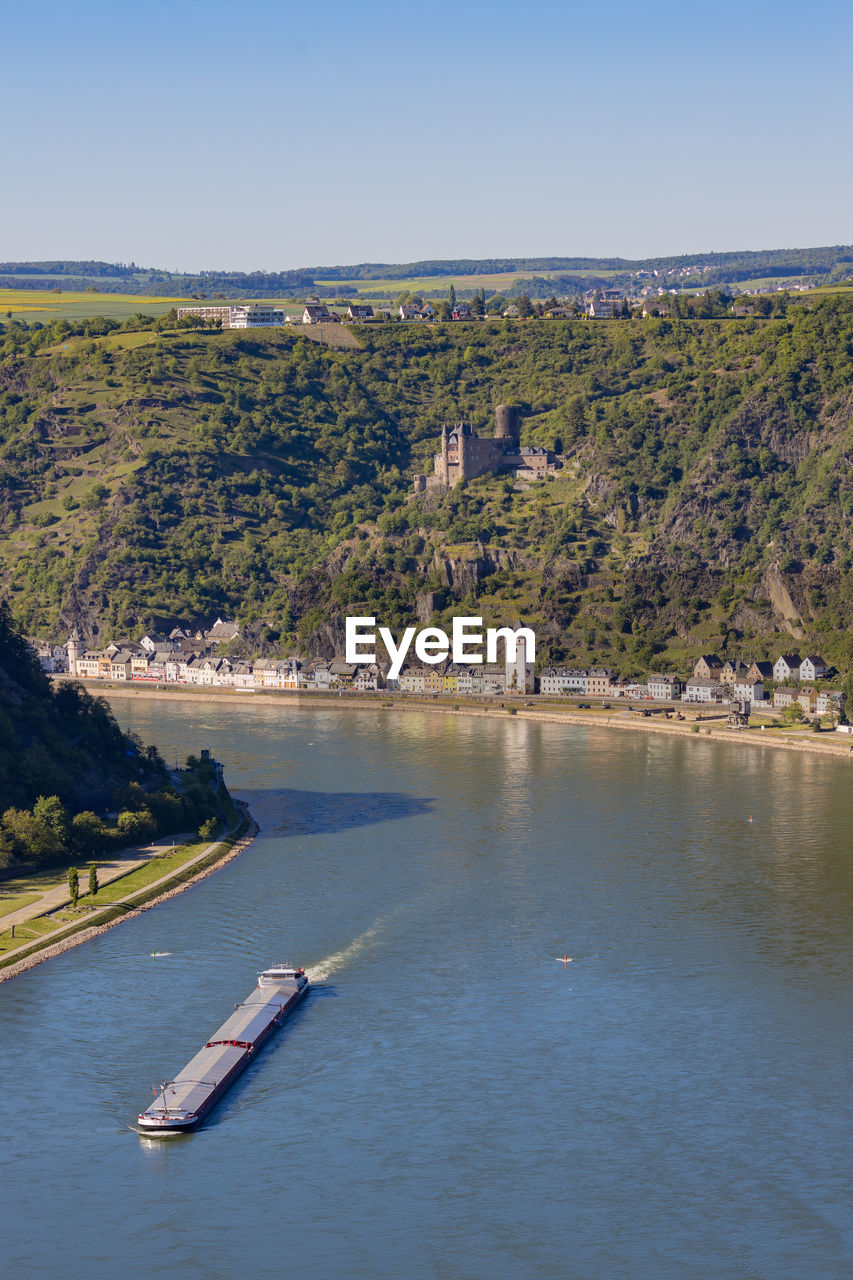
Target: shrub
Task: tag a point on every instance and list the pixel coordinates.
(136, 825)
(167, 810)
(88, 832)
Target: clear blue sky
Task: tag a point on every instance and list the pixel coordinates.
(278, 134)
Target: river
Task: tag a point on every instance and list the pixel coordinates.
(453, 1100)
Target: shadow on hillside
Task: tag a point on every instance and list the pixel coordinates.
(292, 813)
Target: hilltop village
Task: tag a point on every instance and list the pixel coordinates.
(798, 687)
(649, 300)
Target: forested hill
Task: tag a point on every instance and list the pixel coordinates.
(822, 265)
(58, 742)
(705, 500)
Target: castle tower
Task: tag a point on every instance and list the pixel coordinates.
(508, 422)
(519, 673)
(445, 435)
(465, 436)
(72, 647)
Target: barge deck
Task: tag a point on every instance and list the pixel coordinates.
(183, 1102)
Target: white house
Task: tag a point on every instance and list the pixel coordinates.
(813, 667)
(786, 667)
(697, 690)
(554, 680)
(316, 313)
(366, 678)
(664, 688)
(748, 690)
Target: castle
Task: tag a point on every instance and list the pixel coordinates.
(466, 455)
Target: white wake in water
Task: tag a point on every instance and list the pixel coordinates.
(324, 969)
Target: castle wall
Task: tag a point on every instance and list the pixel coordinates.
(465, 455)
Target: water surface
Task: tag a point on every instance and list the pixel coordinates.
(451, 1101)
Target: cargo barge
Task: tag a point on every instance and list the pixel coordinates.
(183, 1102)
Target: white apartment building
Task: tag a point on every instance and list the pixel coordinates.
(256, 315)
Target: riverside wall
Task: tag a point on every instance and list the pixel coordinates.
(820, 744)
(94, 931)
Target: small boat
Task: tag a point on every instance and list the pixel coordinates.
(183, 1102)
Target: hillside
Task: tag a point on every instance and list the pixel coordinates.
(538, 276)
(705, 497)
(59, 742)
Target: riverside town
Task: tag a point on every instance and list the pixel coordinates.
(792, 688)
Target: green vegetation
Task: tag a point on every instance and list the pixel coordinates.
(61, 749)
(140, 885)
(825, 265)
(49, 833)
(705, 502)
(58, 744)
(14, 902)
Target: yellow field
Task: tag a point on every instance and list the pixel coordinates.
(45, 305)
(495, 283)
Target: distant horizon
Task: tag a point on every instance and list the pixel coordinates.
(362, 263)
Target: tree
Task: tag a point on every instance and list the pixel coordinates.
(847, 707)
(87, 832)
(7, 847)
(451, 297)
(793, 714)
(136, 825)
(525, 306)
(73, 885)
(34, 841)
(52, 812)
(207, 830)
(94, 886)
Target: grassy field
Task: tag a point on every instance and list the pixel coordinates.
(89, 910)
(429, 285)
(16, 901)
(44, 306)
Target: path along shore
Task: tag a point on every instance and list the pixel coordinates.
(826, 744)
(75, 938)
